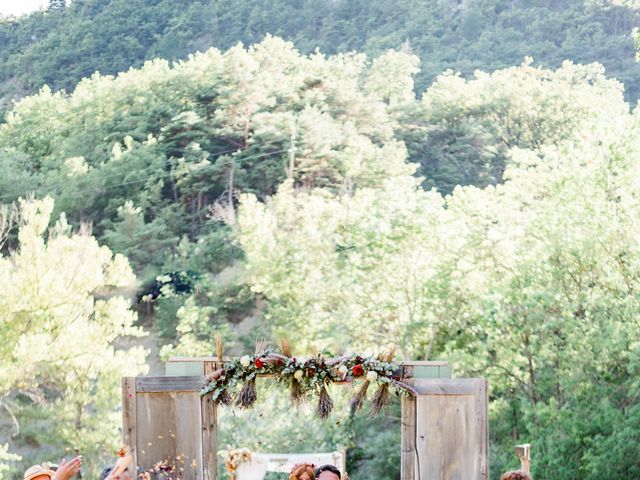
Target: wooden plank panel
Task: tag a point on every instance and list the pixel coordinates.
(129, 419)
(184, 369)
(433, 363)
(445, 386)
(188, 433)
(451, 433)
(446, 371)
(482, 417)
(169, 384)
(169, 426)
(156, 430)
(408, 439)
(209, 439)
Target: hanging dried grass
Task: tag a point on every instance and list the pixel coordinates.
(390, 354)
(297, 394)
(248, 394)
(225, 398)
(261, 346)
(358, 400)
(285, 347)
(325, 404)
(381, 400)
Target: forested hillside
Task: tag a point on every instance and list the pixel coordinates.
(60, 47)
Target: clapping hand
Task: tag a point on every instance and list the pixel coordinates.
(68, 469)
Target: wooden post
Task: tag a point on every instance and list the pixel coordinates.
(129, 431)
(408, 439)
(524, 453)
(209, 438)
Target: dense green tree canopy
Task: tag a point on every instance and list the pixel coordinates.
(260, 191)
(60, 323)
(532, 283)
(62, 46)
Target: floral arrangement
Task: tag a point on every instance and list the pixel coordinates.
(235, 381)
(233, 460)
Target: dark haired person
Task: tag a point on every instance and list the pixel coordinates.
(328, 472)
(516, 475)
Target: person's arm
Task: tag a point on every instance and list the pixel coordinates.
(69, 469)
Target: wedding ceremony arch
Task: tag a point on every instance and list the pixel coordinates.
(444, 427)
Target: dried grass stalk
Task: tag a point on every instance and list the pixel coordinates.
(358, 400)
(225, 398)
(325, 404)
(248, 394)
(219, 349)
(297, 395)
(261, 346)
(381, 400)
(390, 354)
(285, 347)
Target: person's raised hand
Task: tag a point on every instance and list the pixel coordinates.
(68, 469)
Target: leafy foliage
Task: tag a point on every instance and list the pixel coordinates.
(60, 47)
(61, 323)
(296, 191)
(532, 283)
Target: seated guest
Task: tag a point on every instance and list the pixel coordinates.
(50, 471)
(302, 472)
(328, 472)
(39, 472)
(516, 475)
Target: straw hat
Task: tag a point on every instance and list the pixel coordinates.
(37, 470)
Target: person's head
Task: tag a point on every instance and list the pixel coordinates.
(328, 472)
(109, 473)
(302, 472)
(516, 475)
(39, 472)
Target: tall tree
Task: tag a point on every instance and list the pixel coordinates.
(61, 321)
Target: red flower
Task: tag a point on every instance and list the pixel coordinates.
(259, 363)
(122, 452)
(358, 371)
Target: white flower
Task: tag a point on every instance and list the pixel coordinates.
(372, 376)
(343, 370)
(298, 375)
(245, 361)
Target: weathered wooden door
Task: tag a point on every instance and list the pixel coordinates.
(445, 430)
(166, 421)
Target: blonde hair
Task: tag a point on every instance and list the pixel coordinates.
(299, 470)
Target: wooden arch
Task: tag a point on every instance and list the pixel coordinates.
(444, 428)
